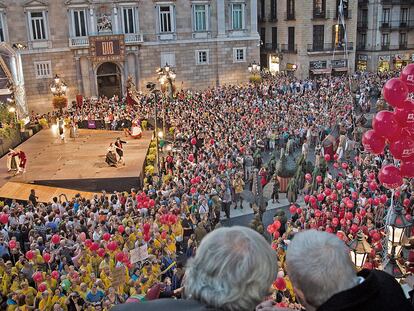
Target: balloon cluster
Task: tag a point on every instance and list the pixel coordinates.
(396, 129)
(274, 229)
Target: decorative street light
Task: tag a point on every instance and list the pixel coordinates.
(360, 249)
(166, 77)
(254, 68)
(59, 88)
(151, 87)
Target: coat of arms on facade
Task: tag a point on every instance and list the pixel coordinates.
(104, 23)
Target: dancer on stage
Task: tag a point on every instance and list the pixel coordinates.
(13, 161)
(120, 149)
(23, 161)
(136, 131)
(111, 156)
(61, 128)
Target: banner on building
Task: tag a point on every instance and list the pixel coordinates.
(318, 64)
(339, 63)
(107, 48)
(385, 58)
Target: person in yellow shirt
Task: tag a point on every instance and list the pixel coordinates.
(106, 277)
(45, 301)
(58, 297)
(29, 292)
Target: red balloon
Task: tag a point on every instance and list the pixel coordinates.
(112, 246)
(319, 179)
(336, 165)
(193, 190)
(56, 239)
(405, 117)
(390, 177)
(293, 209)
(363, 212)
(212, 141)
(12, 244)
(277, 224)
(403, 148)
(407, 169)
(335, 222)
(349, 216)
(408, 217)
(318, 213)
(312, 200)
(354, 195)
(334, 196)
(406, 202)
(42, 287)
(383, 199)
(376, 236)
(373, 142)
(193, 181)
(344, 165)
(339, 185)
(320, 197)
(354, 228)
(169, 159)
(280, 284)
(327, 192)
(270, 228)
(94, 246)
(4, 218)
(55, 275)
(106, 236)
(306, 198)
(46, 257)
(376, 201)
(191, 157)
(407, 76)
(88, 243)
(350, 204)
(395, 92)
(336, 157)
(30, 255)
(340, 235)
(164, 235)
(101, 252)
(385, 125)
(151, 202)
(308, 177)
(327, 157)
(37, 277)
(299, 211)
(121, 229)
(147, 237)
(343, 221)
(198, 179)
(119, 256)
(147, 227)
(193, 141)
(373, 186)
(329, 230)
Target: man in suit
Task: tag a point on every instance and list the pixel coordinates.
(232, 270)
(324, 278)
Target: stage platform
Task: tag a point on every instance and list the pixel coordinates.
(79, 163)
(21, 192)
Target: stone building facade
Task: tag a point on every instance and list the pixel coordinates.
(94, 45)
(385, 34)
(307, 37)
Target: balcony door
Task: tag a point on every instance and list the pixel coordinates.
(318, 37)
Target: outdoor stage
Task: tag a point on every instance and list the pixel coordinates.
(79, 163)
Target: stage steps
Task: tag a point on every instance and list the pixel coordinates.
(21, 191)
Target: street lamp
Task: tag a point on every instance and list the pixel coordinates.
(154, 91)
(166, 77)
(254, 68)
(360, 249)
(58, 87)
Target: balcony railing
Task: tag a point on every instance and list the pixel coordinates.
(397, 24)
(83, 42)
(289, 48)
(397, 2)
(319, 14)
(328, 47)
(402, 46)
(271, 47)
(363, 2)
(362, 24)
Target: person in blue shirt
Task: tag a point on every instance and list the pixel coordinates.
(95, 295)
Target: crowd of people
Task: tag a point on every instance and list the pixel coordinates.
(80, 254)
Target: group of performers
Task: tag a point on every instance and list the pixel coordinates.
(16, 161)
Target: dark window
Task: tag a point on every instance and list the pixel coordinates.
(403, 39)
(404, 16)
(274, 37)
(386, 16)
(362, 40)
(343, 8)
(262, 10)
(318, 37)
(290, 9)
(319, 8)
(291, 38)
(263, 34)
(273, 10)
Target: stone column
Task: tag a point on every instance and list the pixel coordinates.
(79, 75)
(137, 72)
(253, 17)
(221, 18)
(85, 76)
(92, 22)
(115, 22)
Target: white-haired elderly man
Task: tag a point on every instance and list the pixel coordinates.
(232, 271)
(324, 278)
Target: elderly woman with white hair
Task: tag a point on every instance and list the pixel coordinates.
(232, 271)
